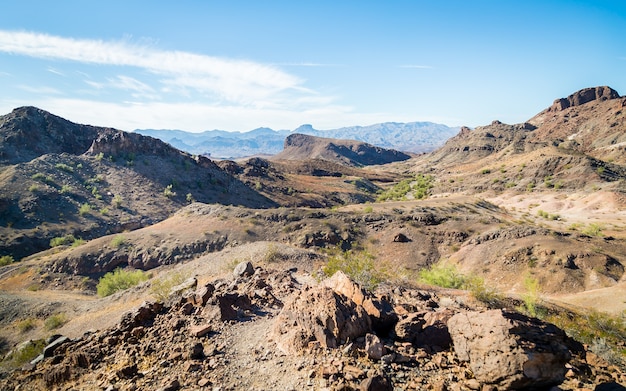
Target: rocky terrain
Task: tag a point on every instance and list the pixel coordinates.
(306, 270)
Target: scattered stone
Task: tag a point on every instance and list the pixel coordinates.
(243, 269)
(376, 383)
(401, 238)
(200, 331)
(196, 352)
(374, 347)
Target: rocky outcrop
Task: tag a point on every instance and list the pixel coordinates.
(321, 316)
(583, 96)
(510, 350)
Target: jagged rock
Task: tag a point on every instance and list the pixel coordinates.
(584, 96)
(380, 310)
(141, 316)
(204, 293)
(200, 330)
(57, 375)
(510, 350)
(196, 352)
(189, 284)
(409, 326)
(401, 238)
(171, 385)
(376, 383)
(374, 347)
(48, 351)
(319, 314)
(243, 269)
(434, 333)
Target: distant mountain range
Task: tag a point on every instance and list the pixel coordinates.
(413, 137)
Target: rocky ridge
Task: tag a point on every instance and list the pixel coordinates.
(266, 329)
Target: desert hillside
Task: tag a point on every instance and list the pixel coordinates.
(494, 262)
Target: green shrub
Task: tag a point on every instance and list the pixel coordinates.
(26, 325)
(33, 188)
(168, 192)
(64, 167)
(26, 353)
(593, 229)
(162, 287)
(485, 171)
(62, 240)
(42, 178)
(118, 280)
(99, 156)
(447, 276)
(66, 189)
(359, 266)
(530, 298)
(6, 260)
(420, 185)
(55, 321)
(118, 241)
(78, 242)
(84, 209)
(368, 209)
(104, 211)
(117, 201)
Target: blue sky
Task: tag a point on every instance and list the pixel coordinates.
(239, 65)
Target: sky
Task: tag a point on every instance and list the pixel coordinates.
(239, 65)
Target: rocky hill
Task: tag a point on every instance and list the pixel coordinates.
(415, 137)
(59, 179)
(352, 153)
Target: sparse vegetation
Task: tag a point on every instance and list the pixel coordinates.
(162, 287)
(118, 280)
(531, 298)
(64, 167)
(55, 321)
(420, 185)
(118, 241)
(6, 260)
(25, 325)
(84, 209)
(593, 229)
(26, 353)
(358, 265)
(168, 192)
(66, 189)
(117, 201)
(368, 209)
(62, 240)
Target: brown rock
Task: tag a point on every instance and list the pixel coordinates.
(374, 347)
(200, 330)
(510, 350)
(401, 238)
(319, 314)
(376, 383)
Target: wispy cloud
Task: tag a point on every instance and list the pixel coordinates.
(236, 81)
(56, 71)
(309, 64)
(40, 90)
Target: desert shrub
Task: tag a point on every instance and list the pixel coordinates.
(118, 280)
(530, 299)
(420, 185)
(368, 209)
(118, 241)
(485, 171)
(26, 353)
(33, 188)
(168, 192)
(447, 276)
(26, 325)
(593, 229)
(162, 287)
(84, 209)
(66, 189)
(62, 240)
(55, 321)
(117, 201)
(359, 266)
(42, 178)
(190, 198)
(6, 260)
(78, 242)
(64, 167)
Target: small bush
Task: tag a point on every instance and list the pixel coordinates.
(99, 156)
(593, 229)
(26, 354)
(26, 325)
(104, 211)
(118, 280)
(168, 192)
(78, 242)
(368, 209)
(117, 201)
(55, 321)
(485, 171)
(118, 241)
(531, 297)
(445, 276)
(359, 266)
(66, 189)
(6, 260)
(161, 288)
(84, 209)
(62, 240)
(33, 188)
(64, 167)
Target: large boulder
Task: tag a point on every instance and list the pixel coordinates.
(510, 350)
(380, 310)
(319, 315)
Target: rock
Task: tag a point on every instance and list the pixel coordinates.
(200, 331)
(584, 96)
(243, 269)
(48, 351)
(319, 314)
(188, 284)
(401, 238)
(510, 350)
(374, 347)
(380, 311)
(203, 294)
(196, 352)
(376, 383)
(409, 326)
(434, 333)
(171, 385)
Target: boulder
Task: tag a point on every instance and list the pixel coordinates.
(320, 315)
(380, 310)
(510, 350)
(374, 347)
(243, 269)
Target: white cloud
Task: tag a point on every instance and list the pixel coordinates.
(40, 90)
(236, 81)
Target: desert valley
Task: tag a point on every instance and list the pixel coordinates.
(494, 261)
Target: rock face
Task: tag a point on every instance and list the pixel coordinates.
(510, 350)
(584, 96)
(319, 315)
